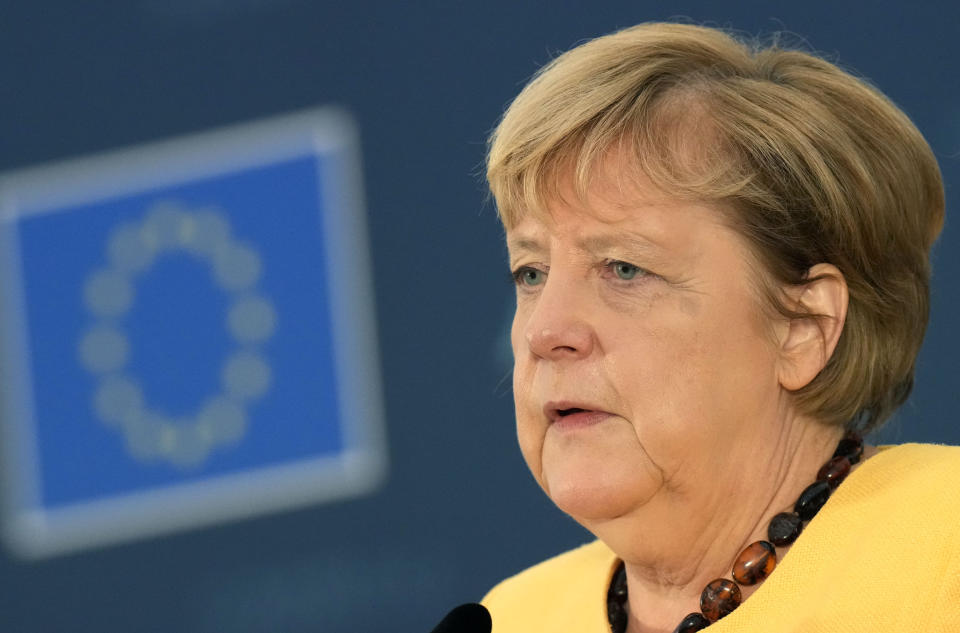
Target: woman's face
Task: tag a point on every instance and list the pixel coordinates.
(644, 363)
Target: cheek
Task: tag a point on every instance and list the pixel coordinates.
(530, 426)
(694, 381)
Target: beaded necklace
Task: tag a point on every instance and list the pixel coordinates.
(721, 596)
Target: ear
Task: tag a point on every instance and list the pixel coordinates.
(806, 344)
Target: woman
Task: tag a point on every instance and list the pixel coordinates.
(721, 256)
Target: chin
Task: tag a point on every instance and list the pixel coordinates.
(598, 500)
(594, 477)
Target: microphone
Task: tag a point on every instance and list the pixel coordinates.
(467, 618)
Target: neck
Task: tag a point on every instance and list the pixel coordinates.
(675, 545)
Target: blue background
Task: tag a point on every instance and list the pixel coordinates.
(426, 81)
(177, 332)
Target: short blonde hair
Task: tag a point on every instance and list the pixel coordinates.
(814, 164)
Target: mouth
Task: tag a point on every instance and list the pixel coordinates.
(573, 414)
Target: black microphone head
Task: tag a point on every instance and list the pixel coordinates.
(467, 618)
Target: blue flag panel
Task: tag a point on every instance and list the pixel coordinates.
(187, 334)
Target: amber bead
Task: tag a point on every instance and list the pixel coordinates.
(812, 499)
(755, 563)
(719, 599)
(784, 528)
(851, 447)
(834, 471)
(692, 623)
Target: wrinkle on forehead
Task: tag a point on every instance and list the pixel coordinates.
(617, 192)
(613, 192)
(627, 209)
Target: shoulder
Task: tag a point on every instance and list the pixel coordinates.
(913, 467)
(902, 480)
(937, 455)
(891, 529)
(571, 586)
(900, 507)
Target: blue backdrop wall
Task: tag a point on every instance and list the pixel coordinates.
(426, 82)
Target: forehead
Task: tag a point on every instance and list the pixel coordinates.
(615, 207)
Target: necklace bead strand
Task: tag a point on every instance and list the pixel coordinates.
(721, 596)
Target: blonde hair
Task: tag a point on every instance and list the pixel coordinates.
(814, 165)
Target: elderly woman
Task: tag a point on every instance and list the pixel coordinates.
(721, 256)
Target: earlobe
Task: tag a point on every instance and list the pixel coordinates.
(808, 343)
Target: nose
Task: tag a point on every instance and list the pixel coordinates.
(558, 325)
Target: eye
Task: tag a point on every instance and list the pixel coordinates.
(528, 276)
(625, 271)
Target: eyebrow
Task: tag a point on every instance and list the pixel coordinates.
(634, 242)
(523, 244)
(593, 244)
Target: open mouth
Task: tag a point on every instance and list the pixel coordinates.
(568, 413)
(577, 417)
